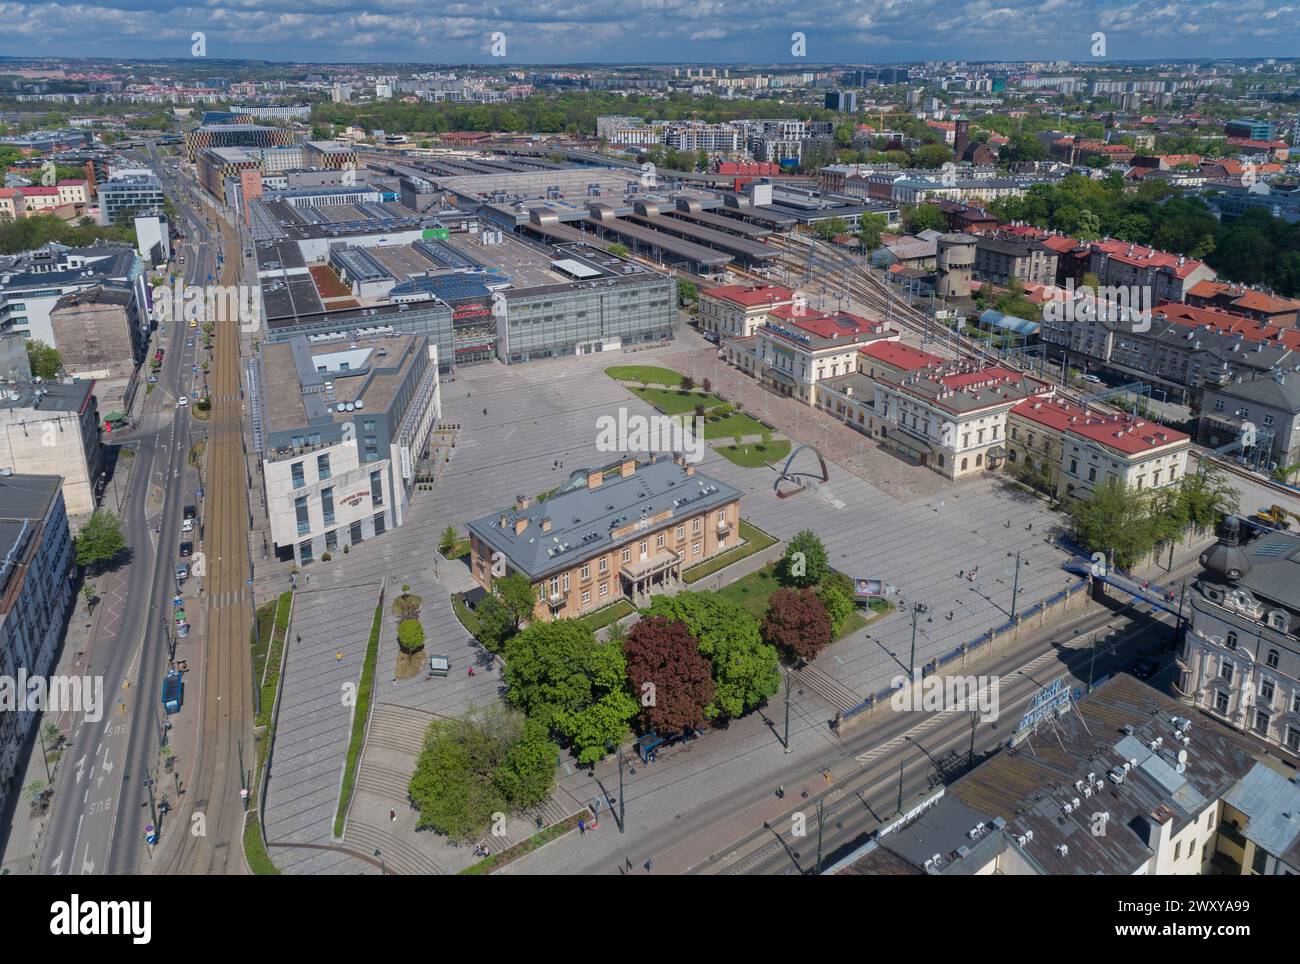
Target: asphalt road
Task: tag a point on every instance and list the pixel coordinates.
(100, 807)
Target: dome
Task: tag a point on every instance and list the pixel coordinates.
(1225, 561)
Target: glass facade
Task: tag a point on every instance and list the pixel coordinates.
(571, 321)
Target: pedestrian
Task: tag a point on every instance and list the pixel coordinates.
(338, 657)
(470, 672)
(392, 816)
(780, 792)
(648, 864)
(582, 828)
(949, 615)
(961, 573)
(485, 411)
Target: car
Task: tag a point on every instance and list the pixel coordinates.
(189, 512)
(1090, 379)
(194, 323)
(182, 401)
(153, 379)
(182, 572)
(187, 525)
(187, 549)
(158, 355)
(1146, 668)
(189, 343)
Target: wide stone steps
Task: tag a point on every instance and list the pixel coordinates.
(838, 695)
(399, 856)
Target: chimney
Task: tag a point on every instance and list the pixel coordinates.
(690, 469)
(503, 520)
(627, 468)
(594, 478)
(522, 502)
(546, 524)
(521, 523)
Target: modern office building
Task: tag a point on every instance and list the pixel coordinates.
(1240, 658)
(622, 531)
(341, 427)
(36, 597)
(122, 199)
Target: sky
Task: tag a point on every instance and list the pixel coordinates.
(642, 31)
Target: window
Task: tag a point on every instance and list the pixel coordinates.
(327, 504)
(627, 554)
(354, 532)
(566, 582)
(1221, 703)
(298, 479)
(1074, 466)
(1266, 692)
(1178, 849)
(1225, 671)
(1231, 640)
(681, 533)
(376, 488)
(1092, 473)
(304, 552)
(659, 541)
(1218, 405)
(604, 564)
(586, 570)
(1261, 722)
(1293, 739)
(586, 596)
(379, 523)
(300, 510)
(645, 547)
(695, 549)
(697, 526)
(323, 466)
(604, 589)
(963, 464)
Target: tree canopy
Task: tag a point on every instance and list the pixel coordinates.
(670, 679)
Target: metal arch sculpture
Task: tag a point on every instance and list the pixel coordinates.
(797, 477)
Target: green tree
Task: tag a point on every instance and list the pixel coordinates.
(871, 228)
(836, 595)
(448, 540)
(830, 228)
(746, 670)
(560, 676)
(933, 155)
(494, 622)
(100, 542)
(617, 249)
(1114, 520)
(517, 596)
(805, 562)
(924, 217)
(687, 291)
(44, 359)
(1206, 497)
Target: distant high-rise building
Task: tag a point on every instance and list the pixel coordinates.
(841, 100)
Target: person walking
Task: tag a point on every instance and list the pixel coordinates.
(392, 816)
(780, 792)
(649, 863)
(470, 671)
(338, 657)
(582, 828)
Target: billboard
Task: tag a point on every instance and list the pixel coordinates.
(868, 588)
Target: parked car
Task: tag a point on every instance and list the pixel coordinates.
(187, 525)
(189, 342)
(1146, 668)
(190, 512)
(182, 572)
(153, 379)
(187, 549)
(183, 400)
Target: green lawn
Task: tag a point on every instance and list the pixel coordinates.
(609, 614)
(538, 839)
(461, 548)
(672, 401)
(733, 423)
(755, 541)
(753, 455)
(648, 374)
(466, 617)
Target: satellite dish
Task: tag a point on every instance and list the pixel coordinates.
(359, 403)
(1182, 757)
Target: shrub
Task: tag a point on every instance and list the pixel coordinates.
(410, 636)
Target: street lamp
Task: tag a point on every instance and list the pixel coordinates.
(383, 870)
(918, 610)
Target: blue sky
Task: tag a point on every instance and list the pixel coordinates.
(628, 31)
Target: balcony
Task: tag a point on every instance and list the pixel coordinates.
(724, 525)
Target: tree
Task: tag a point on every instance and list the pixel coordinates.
(871, 228)
(448, 540)
(495, 624)
(796, 622)
(576, 688)
(706, 385)
(88, 594)
(687, 383)
(44, 359)
(101, 541)
(830, 228)
(671, 680)
(746, 670)
(410, 636)
(488, 761)
(617, 250)
(517, 595)
(805, 562)
(924, 217)
(1114, 520)
(836, 595)
(933, 155)
(687, 291)
(1206, 497)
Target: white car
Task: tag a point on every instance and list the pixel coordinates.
(187, 525)
(182, 400)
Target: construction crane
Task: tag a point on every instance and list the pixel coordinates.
(1276, 517)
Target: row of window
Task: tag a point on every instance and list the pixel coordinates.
(303, 517)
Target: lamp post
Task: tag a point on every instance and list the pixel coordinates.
(917, 610)
(786, 741)
(1015, 587)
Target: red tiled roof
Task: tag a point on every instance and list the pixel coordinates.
(1147, 257)
(73, 182)
(1224, 323)
(994, 374)
(750, 296)
(903, 357)
(1120, 432)
(40, 191)
(826, 326)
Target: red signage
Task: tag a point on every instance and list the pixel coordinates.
(354, 500)
(470, 311)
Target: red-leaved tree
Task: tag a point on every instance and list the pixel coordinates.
(796, 623)
(670, 680)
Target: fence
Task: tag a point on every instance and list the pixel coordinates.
(1033, 618)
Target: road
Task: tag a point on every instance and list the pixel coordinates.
(99, 813)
